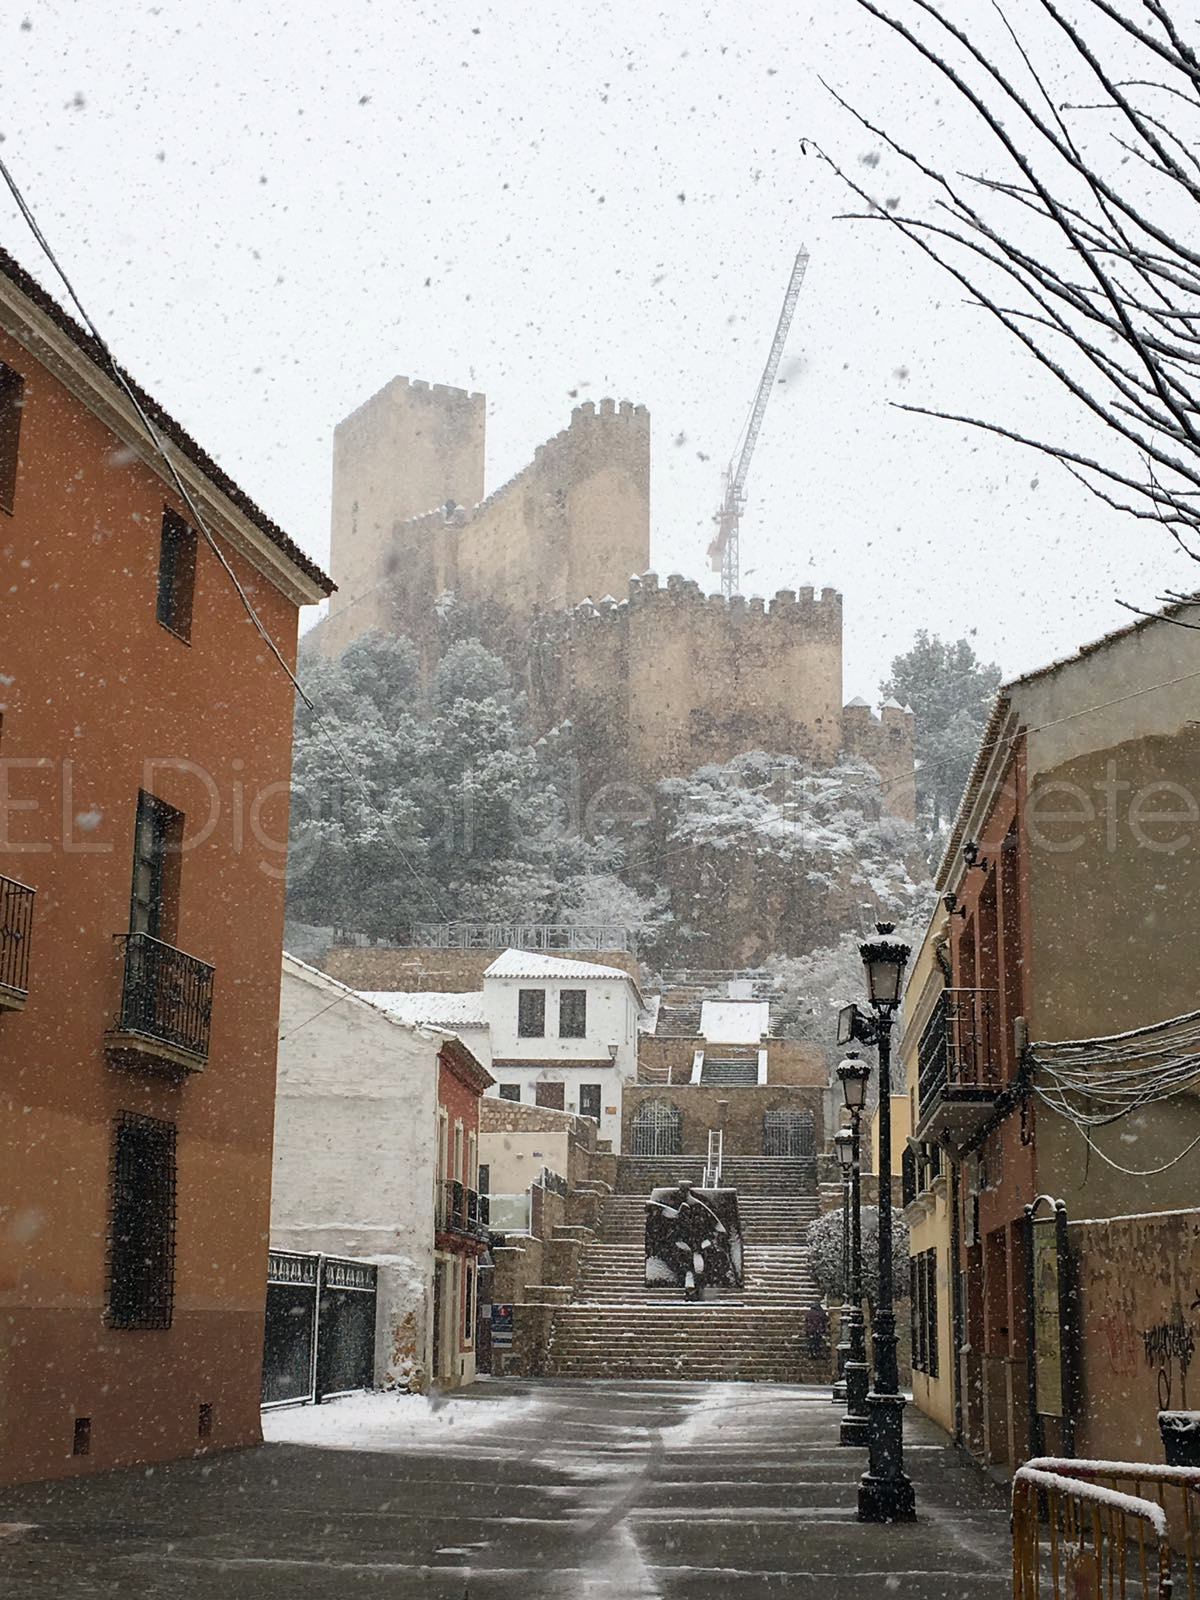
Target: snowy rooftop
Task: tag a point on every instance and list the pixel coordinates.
(430, 1005)
(735, 1021)
(529, 964)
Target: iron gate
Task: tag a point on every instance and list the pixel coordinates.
(319, 1334)
(657, 1129)
(789, 1133)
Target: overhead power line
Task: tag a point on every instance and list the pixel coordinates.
(160, 447)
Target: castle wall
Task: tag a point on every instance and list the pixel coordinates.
(671, 679)
(886, 742)
(575, 522)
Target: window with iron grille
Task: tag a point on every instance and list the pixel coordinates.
(572, 1014)
(176, 575)
(141, 1287)
(531, 1013)
(923, 1288)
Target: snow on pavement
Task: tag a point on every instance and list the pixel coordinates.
(390, 1421)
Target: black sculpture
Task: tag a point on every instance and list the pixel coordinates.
(693, 1239)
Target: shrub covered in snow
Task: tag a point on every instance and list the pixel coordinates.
(824, 1240)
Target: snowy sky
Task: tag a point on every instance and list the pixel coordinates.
(272, 207)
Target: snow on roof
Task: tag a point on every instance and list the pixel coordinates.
(441, 1008)
(530, 964)
(859, 701)
(735, 1021)
(321, 980)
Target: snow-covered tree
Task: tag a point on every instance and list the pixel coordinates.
(824, 1240)
(429, 808)
(951, 692)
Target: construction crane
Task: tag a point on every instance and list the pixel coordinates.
(723, 551)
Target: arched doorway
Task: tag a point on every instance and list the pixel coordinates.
(657, 1129)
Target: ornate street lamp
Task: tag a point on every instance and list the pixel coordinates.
(843, 1144)
(853, 1074)
(885, 1494)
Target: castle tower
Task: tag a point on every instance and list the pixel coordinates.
(410, 448)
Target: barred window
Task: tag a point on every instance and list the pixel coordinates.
(531, 1014)
(141, 1288)
(572, 1014)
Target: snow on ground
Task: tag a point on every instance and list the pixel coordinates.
(389, 1421)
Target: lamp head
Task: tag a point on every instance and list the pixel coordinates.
(843, 1144)
(853, 1074)
(884, 958)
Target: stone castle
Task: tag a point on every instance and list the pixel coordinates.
(649, 680)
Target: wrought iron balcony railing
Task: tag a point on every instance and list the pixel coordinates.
(959, 1063)
(461, 1210)
(16, 923)
(166, 1002)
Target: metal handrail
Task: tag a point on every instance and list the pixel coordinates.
(166, 994)
(16, 923)
(1086, 1529)
(959, 1045)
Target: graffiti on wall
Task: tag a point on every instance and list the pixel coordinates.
(1139, 1284)
(1169, 1348)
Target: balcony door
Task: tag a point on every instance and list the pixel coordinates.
(157, 834)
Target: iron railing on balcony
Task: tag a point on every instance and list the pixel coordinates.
(545, 936)
(165, 994)
(461, 1210)
(958, 1048)
(16, 922)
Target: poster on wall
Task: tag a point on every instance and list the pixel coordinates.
(502, 1327)
(1047, 1318)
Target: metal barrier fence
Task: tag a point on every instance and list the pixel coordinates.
(1105, 1530)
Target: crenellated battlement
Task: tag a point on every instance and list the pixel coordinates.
(398, 392)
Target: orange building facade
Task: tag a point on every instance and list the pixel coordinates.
(145, 752)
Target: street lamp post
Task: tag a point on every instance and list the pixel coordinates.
(885, 1494)
(853, 1074)
(843, 1143)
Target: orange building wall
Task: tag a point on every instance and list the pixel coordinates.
(93, 689)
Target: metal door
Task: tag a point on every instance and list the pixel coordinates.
(789, 1133)
(346, 1327)
(289, 1337)
(657, 1129)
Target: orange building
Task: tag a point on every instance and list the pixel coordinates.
(145, 750)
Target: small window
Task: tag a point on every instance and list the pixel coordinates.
(157, 847)
(141, 1288)
(12, 401)
(531, 1014)
(204, 1420)
(82, 1443)
(510, 1091)
(176, 575)
(572, 1014)
(485, 1178)
(589, 1101)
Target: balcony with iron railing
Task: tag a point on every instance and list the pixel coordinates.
(959, 1066)
(461, 1211)
(165, 1009)
(16, 924)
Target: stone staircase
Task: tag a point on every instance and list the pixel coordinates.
(615, 1326)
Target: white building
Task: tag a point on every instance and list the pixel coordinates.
(370, 1132)
(551, 1032)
